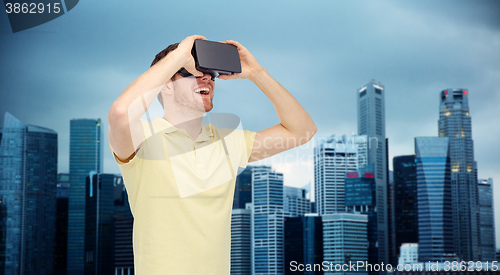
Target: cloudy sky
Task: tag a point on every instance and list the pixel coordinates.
(76, 66)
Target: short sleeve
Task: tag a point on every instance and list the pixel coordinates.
(129, 171)
(248, 147)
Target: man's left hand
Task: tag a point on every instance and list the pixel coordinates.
(249, 65)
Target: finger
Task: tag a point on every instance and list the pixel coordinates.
(236, 43)
(227, 77)
(201, 37)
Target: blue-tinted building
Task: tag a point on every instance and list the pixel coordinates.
(85, 155)
(435, 220)
(455, 124)
(371, 122)
(241, 241)
(243, 188)
(61, 245)
(295, 201)
(303, 243)
(267, 221)
(487, 220)
(99, 229)
(361, 197)
(344, 240)
(406, 207)
(124, 221)
(28, 178)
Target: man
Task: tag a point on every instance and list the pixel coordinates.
(179, 174)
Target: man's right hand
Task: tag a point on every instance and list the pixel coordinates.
(183, 52)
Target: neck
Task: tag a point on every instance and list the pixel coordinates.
(191, 122)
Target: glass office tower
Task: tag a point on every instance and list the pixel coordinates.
(241, 242)
(124, 222)
(435, 221)
(99, 228)
(371, 122)
(295, 201)
(28, 178)
(344, 238)
(303, 243)
(455, 123)
(406, 207)
(85, 155)
(486, 220)
(61, 245)
(360, 197)
(243, 188)
(267, 221)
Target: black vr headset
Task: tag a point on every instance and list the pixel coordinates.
(214, 58)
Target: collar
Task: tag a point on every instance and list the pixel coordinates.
(159, 124)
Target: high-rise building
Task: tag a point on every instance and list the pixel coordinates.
(405, 193)
(124, 222)
(455, 123)
(295, 201)
(99, 229)
(85, 155)
(435, 222)
(241, 241)
(61, 241)
(333, 158)
(360, 196)
(391, 223)
(344, 240)
(267, 221)
(303, 243)
(486, 220)
(28, 178)
(243, 188)
(371, 122)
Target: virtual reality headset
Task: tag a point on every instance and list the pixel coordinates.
(214, 58)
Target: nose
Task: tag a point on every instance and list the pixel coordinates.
(207, 76)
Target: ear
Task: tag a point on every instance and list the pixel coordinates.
(168, 88)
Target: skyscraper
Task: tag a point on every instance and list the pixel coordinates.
(99, 229)
(61, 241)
(406, 207)
(85, 155)
(124, 221)
(360, 196)
(487, 220)
(295, 202)
(345, 242)
(241, 246)
(435, 223)
(28, 178)
(371, 122)
(455, 123)
(267, 221)
(243, 188)
(303, 243)
(333, 158)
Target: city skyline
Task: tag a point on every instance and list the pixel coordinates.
(68, 69)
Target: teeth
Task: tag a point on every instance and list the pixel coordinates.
(205, 89)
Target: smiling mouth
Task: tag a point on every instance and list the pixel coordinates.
(202, 91)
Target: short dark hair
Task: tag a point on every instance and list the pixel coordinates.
(158, 57)
(164, 53)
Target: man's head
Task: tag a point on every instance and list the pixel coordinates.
(188, 88)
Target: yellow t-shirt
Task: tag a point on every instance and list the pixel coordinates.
(181, 194)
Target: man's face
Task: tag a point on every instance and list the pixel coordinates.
(194, 93)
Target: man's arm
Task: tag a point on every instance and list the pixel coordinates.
(125, 129)
(296, 127)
